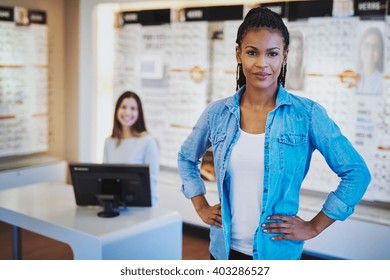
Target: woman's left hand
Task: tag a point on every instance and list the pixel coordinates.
(289, 228)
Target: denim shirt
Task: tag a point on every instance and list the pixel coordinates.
(294, 129)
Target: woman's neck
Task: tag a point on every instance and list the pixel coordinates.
(258, 100)
(127, 133)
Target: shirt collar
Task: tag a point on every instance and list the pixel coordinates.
(283, 97)
(233, 103)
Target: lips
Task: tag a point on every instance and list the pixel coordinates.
(262, 75)
(126, 121)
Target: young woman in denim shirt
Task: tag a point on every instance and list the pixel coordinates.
(262, 139)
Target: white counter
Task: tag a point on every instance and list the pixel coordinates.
(16, 172)
(50, 209)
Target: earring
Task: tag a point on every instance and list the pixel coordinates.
(283, 74)
(238, 72)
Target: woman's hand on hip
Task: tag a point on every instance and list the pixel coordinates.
(289, 227)
(295, 228)
(211, 215)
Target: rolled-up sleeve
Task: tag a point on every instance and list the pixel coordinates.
(344, 160)
(193, 148)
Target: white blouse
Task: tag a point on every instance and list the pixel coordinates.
(246, 171)
(136, 150)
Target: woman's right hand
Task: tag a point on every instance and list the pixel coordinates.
(211, 215)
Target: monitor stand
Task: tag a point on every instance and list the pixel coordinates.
(108, 202)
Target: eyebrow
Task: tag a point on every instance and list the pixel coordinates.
(270, 49)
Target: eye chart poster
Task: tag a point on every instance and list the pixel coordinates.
(189, 74)
(126, 53)
(23, 81)
(153, 71)
(223, 59)
(345, 72)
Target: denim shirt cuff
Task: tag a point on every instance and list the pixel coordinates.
(192, 190)
(336, 209)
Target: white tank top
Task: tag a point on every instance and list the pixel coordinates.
(246, 170)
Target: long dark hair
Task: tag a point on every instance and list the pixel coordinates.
(261, 18)
(138, 127)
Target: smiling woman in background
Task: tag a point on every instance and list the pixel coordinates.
(130, 143)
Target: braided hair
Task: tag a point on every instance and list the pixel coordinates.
(258, 18)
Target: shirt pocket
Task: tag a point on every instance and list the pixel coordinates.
(217, 143)
(218, 137)
(292, 151)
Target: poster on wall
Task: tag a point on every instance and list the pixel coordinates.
(127, 42)
(296, 63)
(380, 183)
(223, 79)
(153, 73)
(24, 82)
(188, 84)
(345, 73)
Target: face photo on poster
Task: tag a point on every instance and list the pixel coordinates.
(370, 59)
(295, 77)
(21, 16)
(342, 8)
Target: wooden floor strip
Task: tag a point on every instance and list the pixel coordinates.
(39, 247)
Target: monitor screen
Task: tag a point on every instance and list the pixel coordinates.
(125, 185)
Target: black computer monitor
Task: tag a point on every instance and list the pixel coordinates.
(111, 186)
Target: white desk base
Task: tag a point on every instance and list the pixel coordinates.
(49, 209)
